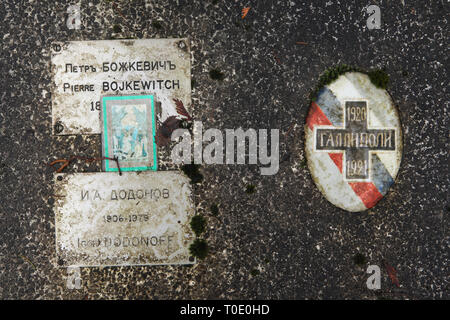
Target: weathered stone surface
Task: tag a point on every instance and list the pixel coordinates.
(301, 243)
(103, 219)
(353, 142)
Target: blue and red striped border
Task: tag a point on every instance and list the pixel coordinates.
(323, 113)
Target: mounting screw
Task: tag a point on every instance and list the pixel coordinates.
(56, 47)
(58, 127)
(182, 45)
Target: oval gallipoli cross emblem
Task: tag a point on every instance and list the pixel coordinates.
(353, 142)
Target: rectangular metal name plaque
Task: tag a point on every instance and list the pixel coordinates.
(83, 71)
(139, 218)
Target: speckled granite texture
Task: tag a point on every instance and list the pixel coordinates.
(302, 245)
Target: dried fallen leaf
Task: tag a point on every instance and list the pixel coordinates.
(245, 11)
(164, 132)
(181, 110)
(276, 57)
(392, 273)
(66, 162)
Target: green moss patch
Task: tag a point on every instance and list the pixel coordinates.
(330, 75)
(378, 77)
(254, 272)
(117, 28)
(359, 259)
(198, 224)
(191, 170)
(199, 248)
(156, 24)
(216, 74)
(250, 188)
(214, 209)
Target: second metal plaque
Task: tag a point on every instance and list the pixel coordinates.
(139, 218)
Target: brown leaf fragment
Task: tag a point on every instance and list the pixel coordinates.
(392, 273)
(164, 132)
(181, 110)
(245, 11)
(66, 162)
(276, 57)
